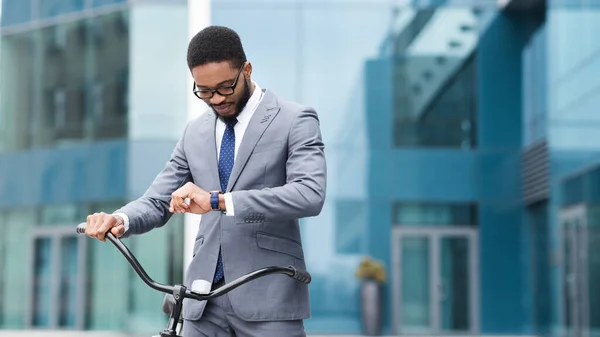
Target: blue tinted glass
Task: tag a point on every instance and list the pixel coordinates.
(593, 186)
(68, 282)
(417, 214)
(350, 214)
(15, 11)
(540, 273)
(435, 79)
(91, 90)
(573, 66)
(42, 286)
(50, 8)
(572, 191)
(534, 87)
(99, 3)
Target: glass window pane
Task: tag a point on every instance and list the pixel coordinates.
(106, 268)
(593, 242)
(415, 279)
(572, 191)
(455, 284)
(17, 241)
(592, 191)
(351, 224)
(50, 8)
(100, 3)
(415, 214)
(435, 103)
(16, 105)
(541, 266)
(15, 12)
(68, 82)
(106, 87)
(68, 282)
(42, 286)
(62, 215)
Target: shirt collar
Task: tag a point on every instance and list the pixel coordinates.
(251, 105)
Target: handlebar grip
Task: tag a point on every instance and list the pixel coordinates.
(81, 228)
(301, 275)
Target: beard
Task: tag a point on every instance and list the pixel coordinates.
(239, 106)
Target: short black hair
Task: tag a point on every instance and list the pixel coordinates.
(215, 44)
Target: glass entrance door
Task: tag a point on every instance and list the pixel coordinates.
(575, 271)
(435, 284)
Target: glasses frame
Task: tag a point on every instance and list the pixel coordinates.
(197, 91)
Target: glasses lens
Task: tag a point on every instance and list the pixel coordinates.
(225, 91)
(209, 94)
(204, 94)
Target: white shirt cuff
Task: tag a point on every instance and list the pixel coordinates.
(125, 220)
(228, 204)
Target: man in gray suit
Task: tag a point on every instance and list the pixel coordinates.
(252, 166)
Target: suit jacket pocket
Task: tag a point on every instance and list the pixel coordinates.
(268, 146)
(279, 244)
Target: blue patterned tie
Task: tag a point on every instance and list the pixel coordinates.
(226, 158)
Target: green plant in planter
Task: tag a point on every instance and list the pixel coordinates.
(371, 269)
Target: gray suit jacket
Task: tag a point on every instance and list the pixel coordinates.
(279, 176)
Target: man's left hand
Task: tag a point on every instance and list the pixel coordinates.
(199, 200)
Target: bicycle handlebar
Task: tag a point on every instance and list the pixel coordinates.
(297, 274)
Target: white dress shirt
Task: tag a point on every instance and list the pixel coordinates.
(239, 129)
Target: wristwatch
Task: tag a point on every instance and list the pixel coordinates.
(214, 200)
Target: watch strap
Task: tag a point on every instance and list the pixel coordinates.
(214, 200)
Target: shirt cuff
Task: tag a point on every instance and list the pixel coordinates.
(228, 204)
(125, 220)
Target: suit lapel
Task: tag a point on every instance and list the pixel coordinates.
(264, 114)
(208, 137)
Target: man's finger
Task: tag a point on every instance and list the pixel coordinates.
(105, 226)
(183, 206)
(176, 200)
(118, 231)
(92, 226)
(88, 225)
(179, 199)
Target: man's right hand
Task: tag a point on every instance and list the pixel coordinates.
(98, 224)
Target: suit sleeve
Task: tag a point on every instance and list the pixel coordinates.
(304, 193)
(151, 210)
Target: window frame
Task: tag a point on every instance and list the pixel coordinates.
(56, 234)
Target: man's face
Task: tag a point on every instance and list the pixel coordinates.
(233, 85)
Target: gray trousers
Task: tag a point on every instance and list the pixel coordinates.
(219, 320)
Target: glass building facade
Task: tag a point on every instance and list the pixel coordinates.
(76, 77)
(461, 139)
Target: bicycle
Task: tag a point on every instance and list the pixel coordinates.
(172, 306)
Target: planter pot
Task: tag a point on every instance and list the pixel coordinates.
(371, 307)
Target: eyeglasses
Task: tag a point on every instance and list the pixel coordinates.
(223, 91)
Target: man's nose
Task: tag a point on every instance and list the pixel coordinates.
(217, 99)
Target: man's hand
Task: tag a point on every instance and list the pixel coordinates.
(98, 224)
(199, 200)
